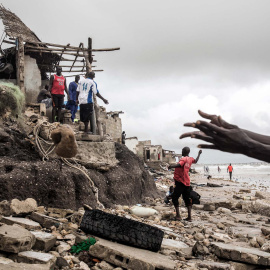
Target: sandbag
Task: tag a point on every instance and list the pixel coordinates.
(65, 142)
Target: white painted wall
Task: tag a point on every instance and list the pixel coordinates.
(32, 79)
(131, 144)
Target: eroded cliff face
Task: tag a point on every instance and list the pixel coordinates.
(51, 183)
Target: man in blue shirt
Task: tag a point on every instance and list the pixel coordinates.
(72, 106)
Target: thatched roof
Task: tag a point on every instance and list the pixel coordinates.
(15, 28)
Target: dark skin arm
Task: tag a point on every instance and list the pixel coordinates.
(177, 165)
(66, 89)
(229, 138)
(101, 97)
(51, 83)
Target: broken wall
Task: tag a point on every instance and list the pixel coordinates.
(155, 152)
(140, 148)
(131, 144)
(32, 79)
(112, 125)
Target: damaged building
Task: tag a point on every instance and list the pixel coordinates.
(28, 62)
(151, 153)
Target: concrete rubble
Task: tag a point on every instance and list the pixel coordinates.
(230, 229)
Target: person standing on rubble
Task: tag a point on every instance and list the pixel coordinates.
(182, 182)
(85, 91)
(230, 170)
(57, 87)
(72, 90)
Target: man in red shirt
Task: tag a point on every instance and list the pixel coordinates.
(57, 87)
(230, 169)
(182, 182)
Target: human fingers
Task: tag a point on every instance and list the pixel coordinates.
(225, 124)
(202, 136)
(207, 146)
(212, 117)
(209, 126)
(190, 125)
(190, 134)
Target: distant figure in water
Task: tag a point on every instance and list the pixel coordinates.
(218, 168)
(230, 169)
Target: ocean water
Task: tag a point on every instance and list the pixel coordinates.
(253, 174)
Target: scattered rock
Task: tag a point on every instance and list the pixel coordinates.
(44, 241)
(15, 239)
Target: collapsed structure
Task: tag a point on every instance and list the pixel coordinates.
(153, 155)
(28, 61)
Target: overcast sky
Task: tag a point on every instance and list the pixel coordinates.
(176, 57)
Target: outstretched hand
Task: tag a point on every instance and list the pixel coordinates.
(220, 134)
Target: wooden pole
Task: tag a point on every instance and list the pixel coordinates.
(90, 56)
(96, 107)
(20, 64)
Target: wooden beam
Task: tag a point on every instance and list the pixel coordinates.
(81, 74)
(71, 60)
(96, 107)
(90, 56)
(72, 47)
(20, 64)
(62, 53)
(72, 71)
(76, 58)
(48, 51)
(63, 66)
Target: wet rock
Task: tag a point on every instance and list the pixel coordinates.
(24, 222)
(15, 239)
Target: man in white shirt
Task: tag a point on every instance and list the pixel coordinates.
(85, 91)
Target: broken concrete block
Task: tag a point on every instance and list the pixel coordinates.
(262, 195)
(36, 257)
(61, 262)
(24, 222)
(130, 258)
(214, 265)
(24, 266)
(224, 210)
(265, 230)
(59, 213)
(15, 239)
(240, 254)
(23, 207)
(62, 247)
(105, 266)
(209, 207)
(5, 208)
(84, 266)
(44, 241)
(45, 221)
(5, 260)
(177, 246)
(16, 207)
(200, 249)
(261, 207)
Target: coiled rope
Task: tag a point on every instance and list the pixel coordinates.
(46, 152)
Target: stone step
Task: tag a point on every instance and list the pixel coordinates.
(130, 257)
(24, 222)
(44, 241)
(88, 137)
(36, 257)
